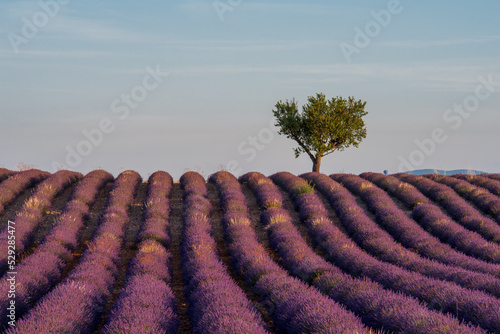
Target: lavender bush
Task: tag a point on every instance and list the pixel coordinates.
(33, 210)
(74, 305)
(367, 299)
(482, 198)
(490, 182)
(147, 304)
(379, 243)
(414, 236)
(40, 271)
(216, 302)
(14, 184)
(5, 173)
(295, 306)
(468, 305)
(494, 176)
(458, 208)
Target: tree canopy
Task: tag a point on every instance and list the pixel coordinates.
(324, 126)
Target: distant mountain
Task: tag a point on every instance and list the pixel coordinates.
(445, 172)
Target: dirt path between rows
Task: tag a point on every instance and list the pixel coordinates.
(90, 225)
(49, 220)
(177, 284)
(218, 234)
(90, 222)
(9, 213)
(128, 251)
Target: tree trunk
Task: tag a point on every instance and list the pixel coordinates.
(316, 164)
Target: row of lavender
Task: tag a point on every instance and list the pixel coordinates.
(214, 299)
(493, 177)
(147, 304)
(14, 183)
(460, 211)
(401, 231)
(470, 305)
(294, 306)
(369, 300)
(478, 193)
(426, 236)
(216, 302)
(490, 182)
(74, 305)
(5, 173)
(32, 213)
(40, 271)
(434, 220)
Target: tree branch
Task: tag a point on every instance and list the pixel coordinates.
(304, 147)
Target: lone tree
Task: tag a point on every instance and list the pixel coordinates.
(324, 126)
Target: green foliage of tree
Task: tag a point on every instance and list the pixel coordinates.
(324, 126)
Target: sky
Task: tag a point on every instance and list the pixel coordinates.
(191, 85)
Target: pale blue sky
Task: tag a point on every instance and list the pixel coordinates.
(228, 66)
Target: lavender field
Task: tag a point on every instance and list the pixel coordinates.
(282, 253)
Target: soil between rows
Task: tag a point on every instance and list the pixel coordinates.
(177, 284)
(176, 226)
(15, 206)
(289, 206)
(90, 225)
(129, 249)
(49, 220)
(218, 234)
